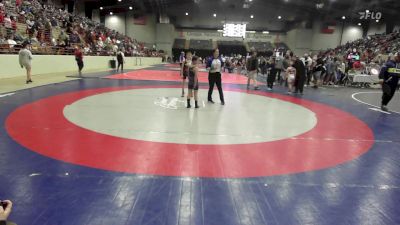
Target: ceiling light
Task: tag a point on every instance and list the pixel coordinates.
(367, 11)
(279, 17)
(215, 15)
(265, 32)
(377, 21)
(252, 16)
(343, 17)
(130, 7)
(359, 24)
(120, 0)
(187, 14)
(250, 0)
(111, 13)
(101, 8)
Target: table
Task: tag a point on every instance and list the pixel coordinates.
(361, 78)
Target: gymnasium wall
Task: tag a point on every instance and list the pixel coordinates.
(116, 22)
(80, 8)
(299, 40)
(302, 40)
(376, 28)
(123, 23)
(96, 15)
(143, 33)
(47, 64)
(165, 37)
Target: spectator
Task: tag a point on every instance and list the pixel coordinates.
(2, 16)
(121, 60)
(8, 25)
(11, 42)
(79, 59)
(300, 75)
(252, 66)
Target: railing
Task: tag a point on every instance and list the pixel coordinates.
(37, 50)
(57, 50)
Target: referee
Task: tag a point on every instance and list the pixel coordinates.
(389, 78)
(215, 64)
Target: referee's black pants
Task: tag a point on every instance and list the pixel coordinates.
(386, 97)
(215, 78)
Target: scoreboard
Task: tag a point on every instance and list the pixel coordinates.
(234, 30)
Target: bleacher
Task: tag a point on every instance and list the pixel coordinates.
(261, 46)
(281, 45)
(54, 31)
(201, 44)
(231, 47)
(179, 43)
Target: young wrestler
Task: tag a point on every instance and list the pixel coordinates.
(186, 64)
(193, 84)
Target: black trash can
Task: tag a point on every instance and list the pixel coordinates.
(113, 64)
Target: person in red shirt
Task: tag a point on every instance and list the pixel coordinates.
(79, 59)
(1, 17)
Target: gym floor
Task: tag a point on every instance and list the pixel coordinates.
(123, 149)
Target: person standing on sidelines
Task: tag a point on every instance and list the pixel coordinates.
(252, 67)
(389, 78)
(79, 59)
(185, 66)
(272, 73)
(300, 75)
(120, 60)
(290, 77)
(181, 58)
(279, 66)
(308, 63)
(318, 71)
(215, 64)
(25, 58)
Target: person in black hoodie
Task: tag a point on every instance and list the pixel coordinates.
(300, 75)
(272, 73)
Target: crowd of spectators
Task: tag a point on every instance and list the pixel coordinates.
(370, 47)
(46, 26)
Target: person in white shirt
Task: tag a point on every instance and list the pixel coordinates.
(308, 61)
(25, 58)
(11, 43)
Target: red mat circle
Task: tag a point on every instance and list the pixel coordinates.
(41, 127)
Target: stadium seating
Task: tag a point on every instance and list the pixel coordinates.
(55, 31)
